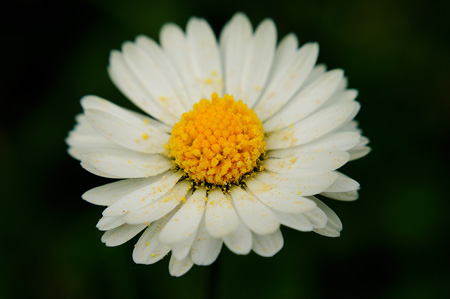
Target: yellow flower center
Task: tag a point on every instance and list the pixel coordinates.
(217, 142)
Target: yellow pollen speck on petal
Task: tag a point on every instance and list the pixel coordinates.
(144, 136)
(183, 199)
(299, 192)
(218, 141)
(162, 98)
(153, 255)
(213, 73)
(209, 81)
(146, 121)
(146, 243)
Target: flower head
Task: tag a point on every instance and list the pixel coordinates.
(238, 138)
(218, 142)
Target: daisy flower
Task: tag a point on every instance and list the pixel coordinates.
(237, 138)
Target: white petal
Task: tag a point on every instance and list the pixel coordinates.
(287, 81)
(134, 118)
(125, 163)
(123, 127)
(121, 234)
(334, 224)
(174, 85)
(182, 249)
(343, 184)
(151, 76)
(205, 248)
(234, 41)
(308, 162)
(317, 217)
(125, 79)
(159, 208)
(364, 141)
(86, 165)
(108, 223)
(220, 217)
(253, 213)
(204, 55)
(148, 249)
(303, 183)
(351, 126)
(258, 61)
(343, 85)
(110, 193)
(359, 152)
(185, 222)
(278, 198)
(338, 141)
(240, 240)
(344, 196)
(333, 219)
(341, 96)
(178, 268)
(83, 126)
(154, 123)
(143, 196)
(79, 144)
(83, 138)
(314, 126)
(308, 100)
(174, 43)
(317, 71)
(284, 55)
(296, 221)
(268, 245)
(328, 231)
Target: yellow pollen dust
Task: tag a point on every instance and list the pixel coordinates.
(218, 141)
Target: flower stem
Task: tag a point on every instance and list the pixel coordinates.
(213, 281)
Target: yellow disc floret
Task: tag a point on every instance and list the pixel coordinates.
(217, 142)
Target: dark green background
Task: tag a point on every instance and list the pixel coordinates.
(395, 238)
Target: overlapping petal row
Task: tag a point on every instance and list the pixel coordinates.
(307, 114)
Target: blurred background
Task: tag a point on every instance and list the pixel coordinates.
(395, 238)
